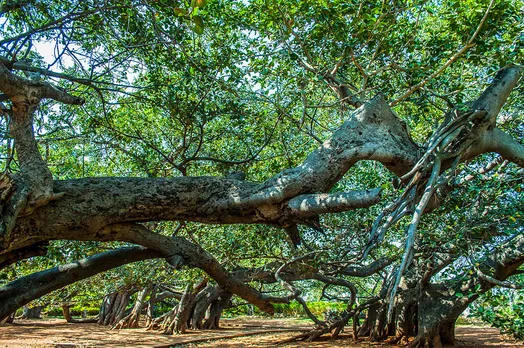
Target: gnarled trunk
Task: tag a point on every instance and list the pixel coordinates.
(131, 321)
(32, 312)
(113, 307)
(199, 309)
(215, 311)
(438, 310)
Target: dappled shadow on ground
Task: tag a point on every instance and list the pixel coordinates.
(248, 332)
(484, 336)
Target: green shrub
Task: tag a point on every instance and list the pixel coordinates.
(75, 310)
(293, 309)
(503, 312)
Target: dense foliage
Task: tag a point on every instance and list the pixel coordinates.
(212, 88)
(503, 310)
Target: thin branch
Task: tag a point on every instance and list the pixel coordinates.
(450, 61)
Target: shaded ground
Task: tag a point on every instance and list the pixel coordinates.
(246, 332)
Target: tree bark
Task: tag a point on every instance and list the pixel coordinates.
(202, 303)
(182, 314)
(131, 321)
(26, 289)
(215, 312)
(32, 312)
(114, 307)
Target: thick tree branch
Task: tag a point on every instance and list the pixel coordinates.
(494, 97)
(373, 132)
(25, 289)
(191, 254)
(502, 143)
(333, 202)
(39, 249)
(16, 87)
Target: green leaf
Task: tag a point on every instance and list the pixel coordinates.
(199, 25)
(200, 3)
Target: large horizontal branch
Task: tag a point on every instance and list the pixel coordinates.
(16, 88)
(372, 132)
(23, 290)
(322, 203)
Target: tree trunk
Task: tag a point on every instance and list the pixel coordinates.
(32, 312)
(178, 320)
(150, 314)
(215, 312)
(406, 322)
(131, 321)
(113, 307)
(375, 324)
(9, 319)
(438, 311)
(203, 300)
(183, 312)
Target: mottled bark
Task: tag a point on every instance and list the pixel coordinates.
(215, 311)
(182, 315)
(34, 312)
(202, 303)
(113, 307)
(132, 320)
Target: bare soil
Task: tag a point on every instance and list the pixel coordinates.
(245, 332)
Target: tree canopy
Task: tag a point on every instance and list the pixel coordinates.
(370, 148)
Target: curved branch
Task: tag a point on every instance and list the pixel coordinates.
(367, 270)
(502, 143)
(191, 254)
(497, 282)
(28, 288)
(39, 249)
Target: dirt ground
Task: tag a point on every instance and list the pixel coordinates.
(246, 332)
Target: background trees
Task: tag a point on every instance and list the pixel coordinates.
(177, 98)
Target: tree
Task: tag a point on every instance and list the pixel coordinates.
(160, 104)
